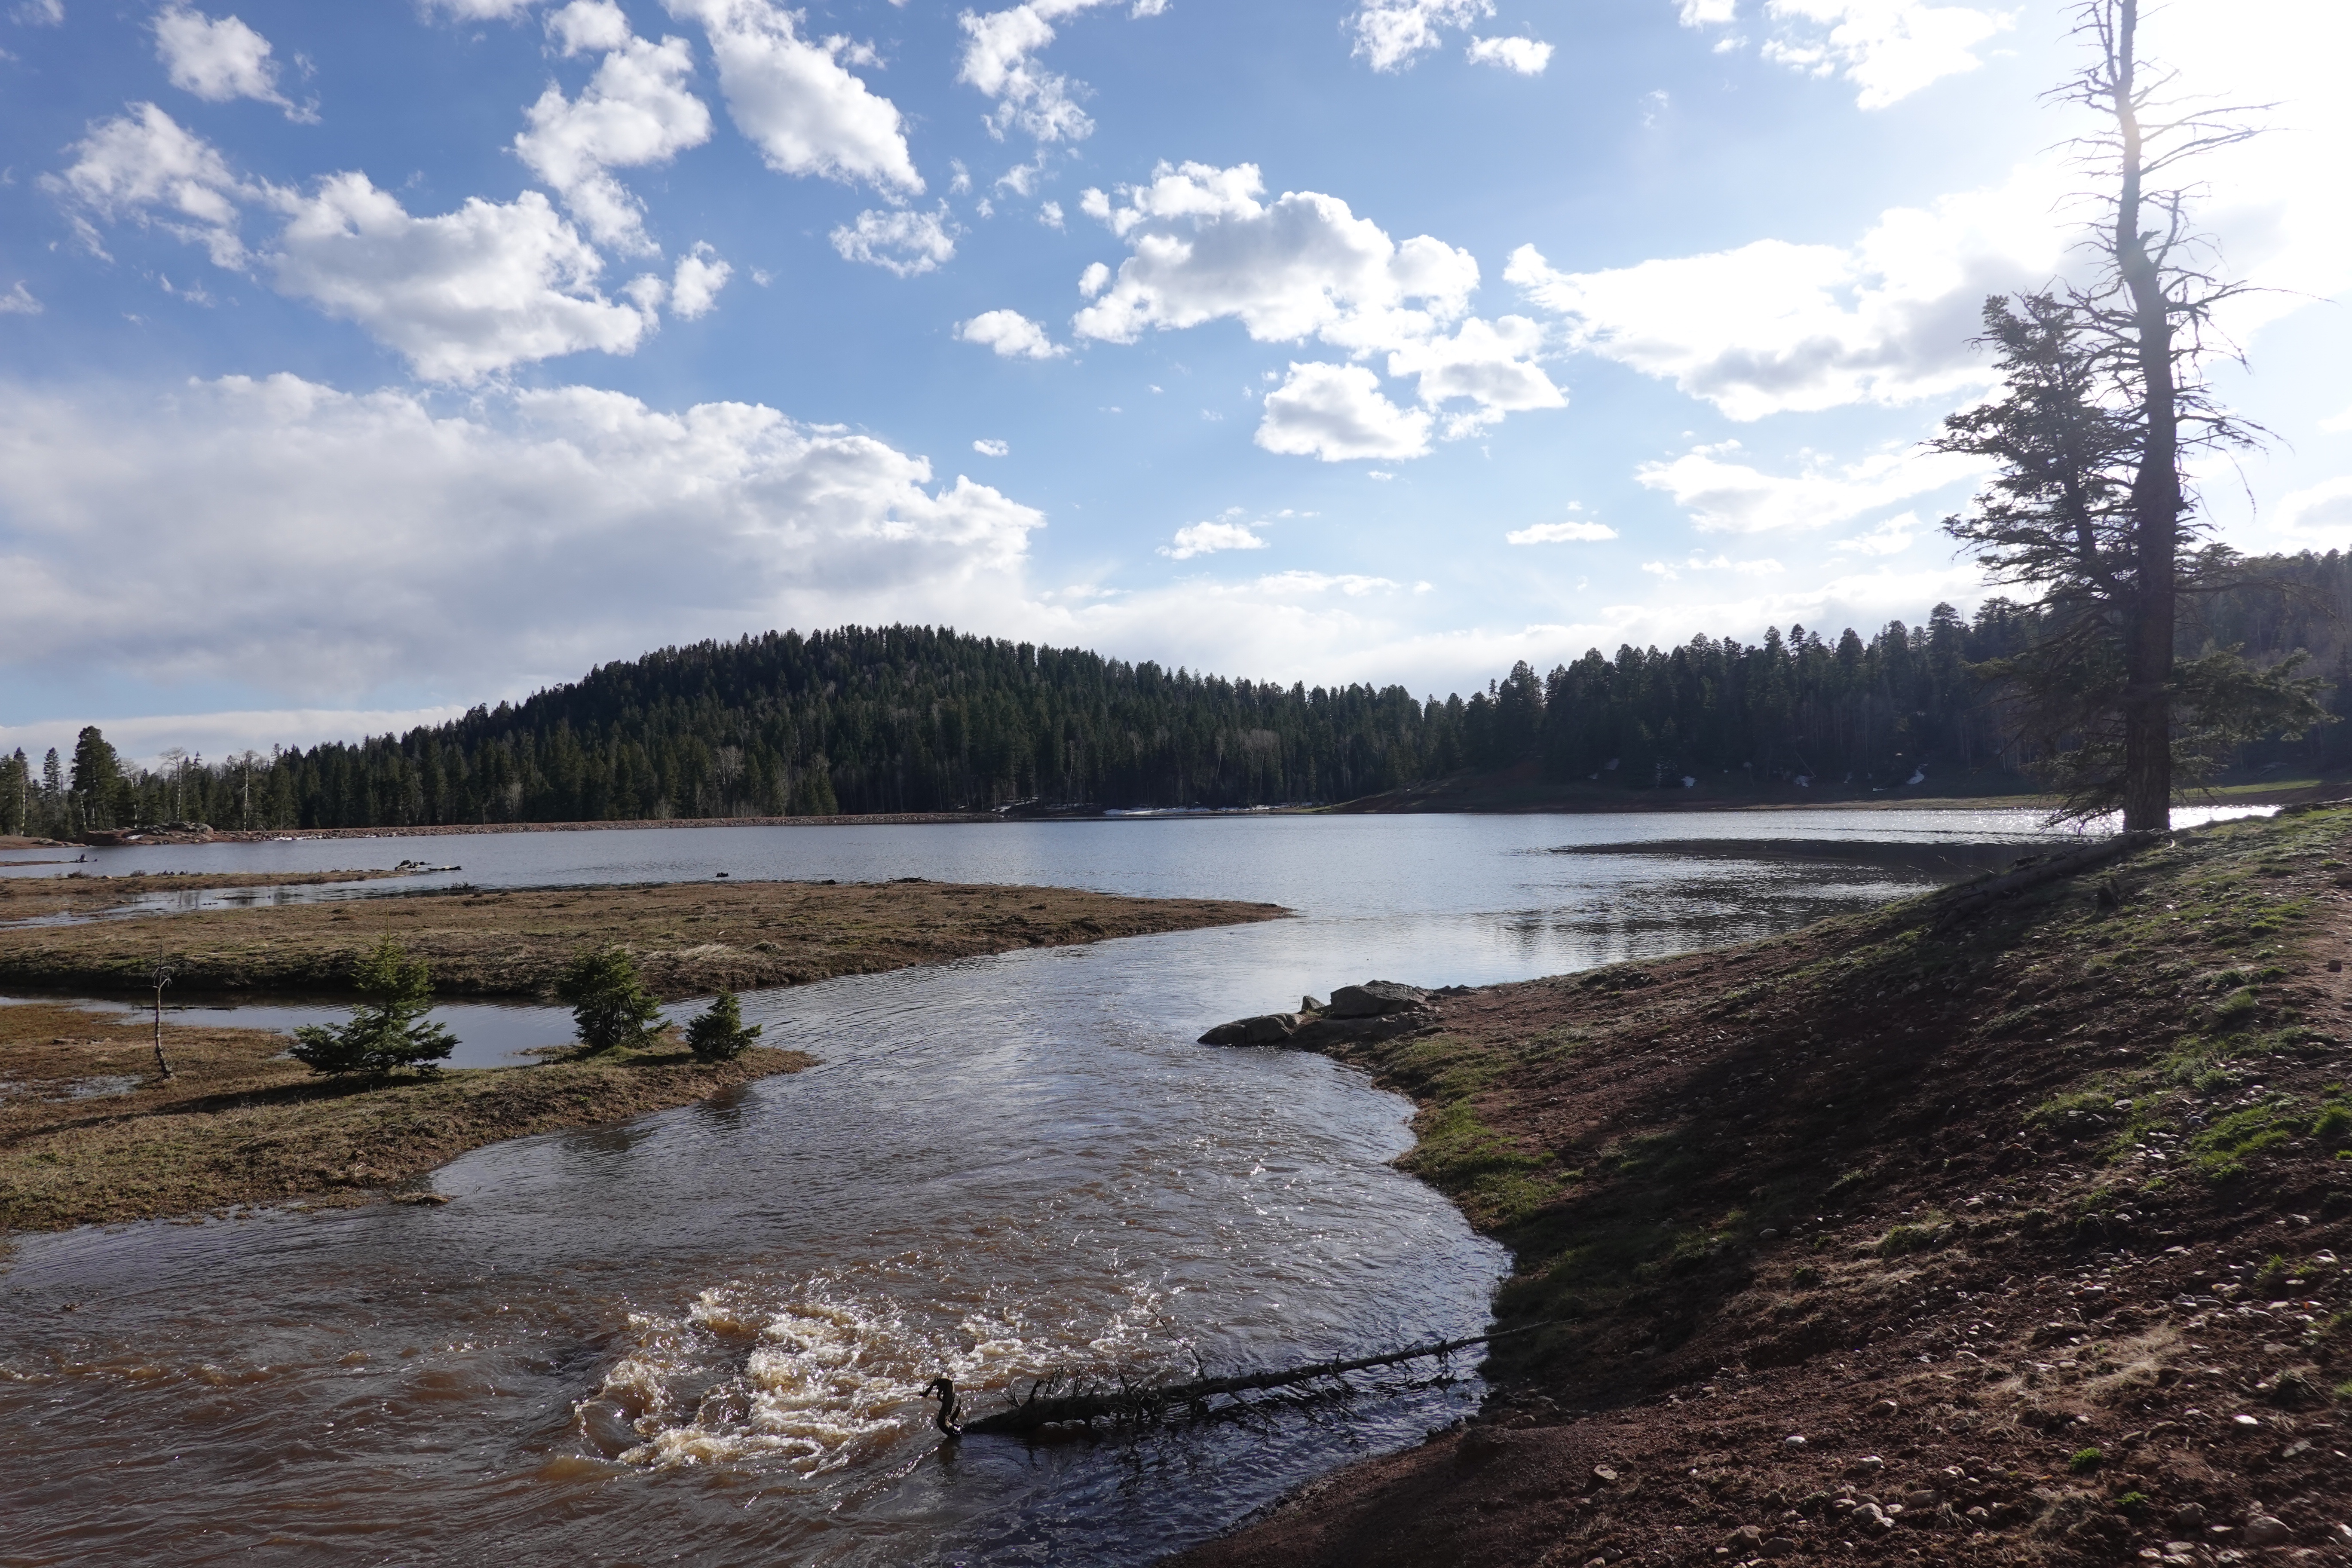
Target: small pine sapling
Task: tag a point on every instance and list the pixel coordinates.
(385, 1032)
(718, 1034)
(610, 1005)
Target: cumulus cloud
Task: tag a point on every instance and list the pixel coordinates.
(2318, 516)
(217, 531)
(999, 59)
(460, 294)
(1888, 50)
(217, 60)
(988, 447)
(797, 103)
(901, 241)
(1524, 55)
(1209, 538)
(1726, 495)
(1011, 334)
(634, 111)
(1335, 412)
(1774, 326)
(1673, 570)
(1390, 35)
(145, 166)
(1570, 532)
(694, 288)
(1204, 248)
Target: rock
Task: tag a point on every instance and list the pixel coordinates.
(1868, 1464)
(1778, 1546)
(1792, 1441)
(1747, 1538)
(1374, 999)
(1920, 1497)
(2189, 1516)
(1604, 1475)
(1266, 1029)
(2264, 1529)
(1308, 1005)
(1885, 1407)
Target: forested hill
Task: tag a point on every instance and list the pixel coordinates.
(917, 719)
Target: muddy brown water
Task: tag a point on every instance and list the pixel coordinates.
(702, 1336)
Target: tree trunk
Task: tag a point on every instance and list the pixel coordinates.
(2156, 487)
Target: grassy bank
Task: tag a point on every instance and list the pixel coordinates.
(688, 939)
(2035, 1226)
(89, 1133)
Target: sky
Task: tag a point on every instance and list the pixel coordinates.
(361, 362)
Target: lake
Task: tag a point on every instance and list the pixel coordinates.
(702, 1334)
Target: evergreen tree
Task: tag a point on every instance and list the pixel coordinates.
(384, 1033)
(719, 1033)
(610, 1005)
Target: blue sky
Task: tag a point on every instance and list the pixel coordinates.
(359, 362)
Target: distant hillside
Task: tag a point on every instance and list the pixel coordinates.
(908, 719)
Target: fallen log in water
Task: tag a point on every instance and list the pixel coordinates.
(1136, 1404)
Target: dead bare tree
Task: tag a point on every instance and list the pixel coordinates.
(161, 977)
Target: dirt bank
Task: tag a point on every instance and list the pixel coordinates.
(688, 939)
(2023, 1238)
(89, 1133)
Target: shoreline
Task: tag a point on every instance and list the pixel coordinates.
(2015, 1235)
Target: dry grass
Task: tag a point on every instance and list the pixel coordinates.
(688, 939)
(240, 1124)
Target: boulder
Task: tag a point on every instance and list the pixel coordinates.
(1266, 1029)
(1374, 999)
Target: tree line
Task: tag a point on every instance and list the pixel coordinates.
(916, 719)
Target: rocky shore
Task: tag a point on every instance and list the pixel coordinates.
(2009, 1229)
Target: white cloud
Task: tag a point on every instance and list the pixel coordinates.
(1050, 214)
(1299, 584)
(1525, 56)
(1891, 537)
(694, 288)
(807, 114)
(461, 294)
(1336, 412)
(1012, 334)
(999, 59)
(903, 242)
(1672, 571)
(586, 25)
(217, 60)
(635, 111)
(1888, 49)
(2317, 517)
(481, 10)
(18, 301)
(41, 13)
(143, 165)
(987, 447)
(1392, 34)
(1724, 495)
(217, 531)
(1560, 533)
(1772, 326)
(1209, 538)
(1204, 248)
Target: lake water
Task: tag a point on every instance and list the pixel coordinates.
(701, 1335)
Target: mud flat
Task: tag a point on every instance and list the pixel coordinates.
(2016, 1235)
(688, 939)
